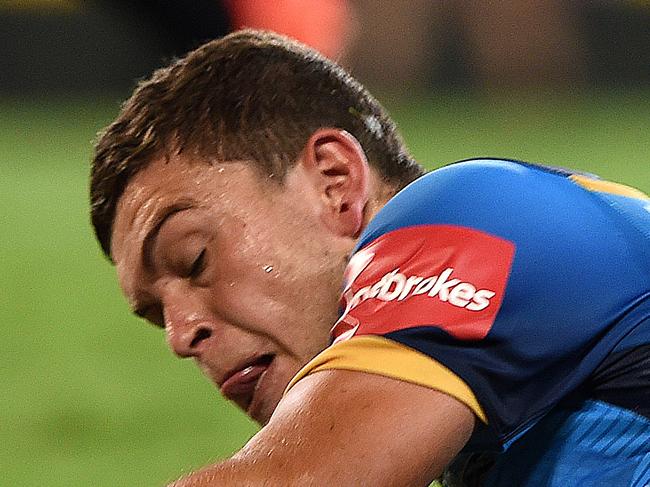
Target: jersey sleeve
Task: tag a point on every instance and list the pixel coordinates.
(492, 282)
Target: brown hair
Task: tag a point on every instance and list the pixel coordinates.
(249, 96)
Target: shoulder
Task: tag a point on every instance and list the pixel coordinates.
(490, 195)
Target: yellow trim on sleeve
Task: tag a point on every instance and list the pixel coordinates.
(608, 187)
(381, 356)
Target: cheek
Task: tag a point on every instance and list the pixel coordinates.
(264, 307)
(253, 265)
(250, 302)
(269, 283)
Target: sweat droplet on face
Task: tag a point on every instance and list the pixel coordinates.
(268, 268)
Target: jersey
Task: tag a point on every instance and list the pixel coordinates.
(524, 292)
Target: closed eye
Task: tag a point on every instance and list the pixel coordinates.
(152, 314)
(198, 265)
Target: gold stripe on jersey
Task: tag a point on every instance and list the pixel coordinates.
(381, 356)
(610, 187)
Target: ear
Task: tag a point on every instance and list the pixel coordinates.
(338, 170)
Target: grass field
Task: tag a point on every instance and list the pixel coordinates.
(91, 396)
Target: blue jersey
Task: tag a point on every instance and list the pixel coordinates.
(524, 292)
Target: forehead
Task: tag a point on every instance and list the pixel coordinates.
(175, 183)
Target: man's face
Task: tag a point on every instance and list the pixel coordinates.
(240, 271)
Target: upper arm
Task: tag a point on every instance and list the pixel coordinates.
(339, 427)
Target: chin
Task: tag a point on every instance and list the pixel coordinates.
(262, 410)
(264, 416)
(269, 392)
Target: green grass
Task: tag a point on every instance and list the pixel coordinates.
(91, 396)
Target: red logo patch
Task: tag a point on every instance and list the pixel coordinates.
(446, 276)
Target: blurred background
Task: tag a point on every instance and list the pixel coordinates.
(90, 395)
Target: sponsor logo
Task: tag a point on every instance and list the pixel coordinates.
(442, 276)
(396, 286)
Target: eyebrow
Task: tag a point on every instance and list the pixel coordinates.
(158, 221)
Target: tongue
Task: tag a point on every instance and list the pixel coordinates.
(242, 382)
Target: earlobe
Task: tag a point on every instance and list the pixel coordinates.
(338, 168)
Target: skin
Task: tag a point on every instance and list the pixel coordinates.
(328, 430)
(229, 287)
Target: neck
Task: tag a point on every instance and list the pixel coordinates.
(380, 193)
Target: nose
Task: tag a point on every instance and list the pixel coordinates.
(188, 339)
(188, 327)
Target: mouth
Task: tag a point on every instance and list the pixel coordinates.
(241, 384)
